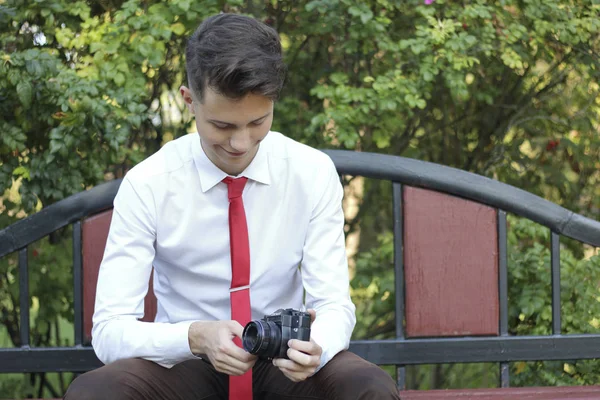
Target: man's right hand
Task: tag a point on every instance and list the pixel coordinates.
(214, 340)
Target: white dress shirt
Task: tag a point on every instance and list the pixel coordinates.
(171, 212)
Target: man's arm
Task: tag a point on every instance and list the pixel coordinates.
(123, 284)
(325, 269)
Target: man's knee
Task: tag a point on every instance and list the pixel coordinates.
(381, 385)
(369, 381)
(113, 381)
(351, 377)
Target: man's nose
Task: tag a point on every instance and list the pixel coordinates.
(241, 141)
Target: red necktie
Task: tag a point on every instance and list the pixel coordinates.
(240, 387)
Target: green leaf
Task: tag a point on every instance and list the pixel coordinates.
(22, 171)
(184, 5)
(366, 17)
(34, 68)
(178, 28)
(339, 78)
(355, 11)
(56, 146)
(112, 47)
(25, 93)
(119, 78)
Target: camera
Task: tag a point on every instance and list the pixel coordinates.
(268, 338)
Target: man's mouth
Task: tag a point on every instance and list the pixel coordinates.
(233, 154)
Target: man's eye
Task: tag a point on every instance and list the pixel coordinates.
(221, 126)
(259, 122)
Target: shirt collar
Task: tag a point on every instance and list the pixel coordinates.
(210, 174)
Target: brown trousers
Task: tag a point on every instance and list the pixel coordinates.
(345, 377)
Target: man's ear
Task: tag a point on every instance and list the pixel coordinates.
(186, 93)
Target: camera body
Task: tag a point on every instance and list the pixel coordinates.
(268, 337)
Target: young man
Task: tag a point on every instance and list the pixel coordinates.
(237, 222)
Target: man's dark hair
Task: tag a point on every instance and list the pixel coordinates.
(235, 55)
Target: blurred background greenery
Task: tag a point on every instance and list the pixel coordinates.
(507, 89)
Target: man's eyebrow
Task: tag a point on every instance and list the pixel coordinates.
(229, 123)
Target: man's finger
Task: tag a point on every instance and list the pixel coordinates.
(226, 369)
(231, 365)
(236, 328)
(231, 362)
(308, 347)
(301, 358)
(288, 365)
(239, 354)
(313, 314)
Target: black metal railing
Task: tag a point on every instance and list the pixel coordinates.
(399, 351)
(398, 273)
(16, 238)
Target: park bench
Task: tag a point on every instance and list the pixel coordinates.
(451, 302)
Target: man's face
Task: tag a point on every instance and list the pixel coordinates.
(230, 130)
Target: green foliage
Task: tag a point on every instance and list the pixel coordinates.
(58, 121)
(14, 385)
(506, 89)
(51, 291)
(530, 304)
(373, 291)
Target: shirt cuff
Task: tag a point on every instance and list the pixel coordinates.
(176, 345)
(331, 344)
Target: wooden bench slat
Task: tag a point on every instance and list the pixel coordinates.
(532, 393)
(450, 265)
(94, 235)
(94, 232)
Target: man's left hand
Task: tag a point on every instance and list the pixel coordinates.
(304, 357)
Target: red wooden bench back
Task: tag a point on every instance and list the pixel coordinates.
(450, 265)
(94, 234)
